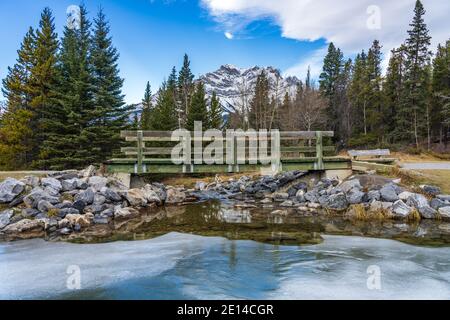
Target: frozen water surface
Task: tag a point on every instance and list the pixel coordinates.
(181, 266)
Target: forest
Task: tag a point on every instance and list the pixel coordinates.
(65, 108)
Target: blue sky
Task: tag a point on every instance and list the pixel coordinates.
(153, 35)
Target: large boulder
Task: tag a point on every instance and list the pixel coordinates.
(437, 203)
(348, 185)
(87, 196)
(444, 212)
(125, 213)
(25, 229)
(336, 202)
(417, 201)
(52, 184)
(401, 209)
(389, 193)
(355, 196)
(97, 183)
(5, 217)
(431, 190)
(70, 185)
(10, 189)
(136, 198)
(427, 212)
(38, 194)
(151, 195)
(373, 195)
(175, 196)
(110, 194)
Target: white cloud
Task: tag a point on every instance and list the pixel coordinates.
(351, 25)
(229, 35)
(313, 61)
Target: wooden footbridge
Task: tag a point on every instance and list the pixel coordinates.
(150, 152)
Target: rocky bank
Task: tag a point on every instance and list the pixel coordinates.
(68, 202)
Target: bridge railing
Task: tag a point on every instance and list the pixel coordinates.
(154, 148)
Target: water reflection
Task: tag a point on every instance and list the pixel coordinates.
(284, 226)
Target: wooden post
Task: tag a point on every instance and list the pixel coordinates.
(319, 151)
(139, 151)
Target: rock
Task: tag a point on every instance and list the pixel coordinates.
(125, 213)
(30, 212)
(427, 212)
(31, 181)
(111, 194)
(66, 211)
(174, 196)
(52, 184)
(87, 196)
(69, 185)
(266, 201)
(160, 190)
(287, 203)
(79, 219)
(97, 183)
(108, 212)
(65, 231)
(280, 196)
(5, 217)
(200, 186)
(44, 206)
(38, 194)
(88, 172)
(136, 198)
(64, 205)
(400, 209)
(311, 196)
(17, 201)
(300, 193)
(26, 229)
(379, 205)
(405, 195)
(417, 200)
(431, 190)
(373, 195)
(346, 186)
(355, 196)
(99, 199)
(443, 197)
(100, 219)
(10, 189)
(313, 205)
(151, 195)
(389, 193)
(79, 205)
(438, 203)
(336, 202)
(444, 212)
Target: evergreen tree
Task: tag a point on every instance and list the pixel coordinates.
(215, 113)
(198, 110)
(441, 91)
(15, 124)
(374, 82)
(69, 144)
(418, 56)
(44, 80)
(164, 115)
(260, 104)
(358, 93)
(109, 115)
(146, 108)
(185, 89)
(393, 93)
(330, 88)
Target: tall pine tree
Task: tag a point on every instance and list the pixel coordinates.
(215, 113)
(146, 108)
(198, 110)
(185, 89)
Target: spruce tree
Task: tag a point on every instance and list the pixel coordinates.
(198, 110)
(185, 89)
(16, 143)
(164, 115)
(418, 56)
(329, 86)
(109, 115)
(215, 113)
(374, 82)
(69, 144)
(146, 108)
(441, 91)
(44, 80)
(260, 104)
(358, 92)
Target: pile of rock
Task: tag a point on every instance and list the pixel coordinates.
(69, 201)
(334, 195)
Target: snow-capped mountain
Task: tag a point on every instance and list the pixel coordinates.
(235, 85)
